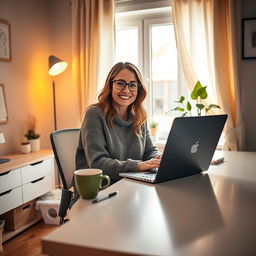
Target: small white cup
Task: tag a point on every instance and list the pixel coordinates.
(25, 147)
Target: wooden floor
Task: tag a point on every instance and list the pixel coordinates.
(27, 243)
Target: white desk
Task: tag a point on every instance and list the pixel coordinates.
(207, 214)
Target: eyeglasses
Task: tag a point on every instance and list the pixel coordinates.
(120, 85)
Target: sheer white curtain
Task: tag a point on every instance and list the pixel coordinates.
(92, 46)
(206, 45)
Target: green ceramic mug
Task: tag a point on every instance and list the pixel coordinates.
(89, 182)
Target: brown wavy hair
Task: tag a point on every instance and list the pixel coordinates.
(136, 108)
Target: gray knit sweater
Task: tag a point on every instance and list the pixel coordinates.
(115, 149)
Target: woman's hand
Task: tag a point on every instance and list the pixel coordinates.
(146, 165)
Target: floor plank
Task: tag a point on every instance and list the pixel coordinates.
(27, 243)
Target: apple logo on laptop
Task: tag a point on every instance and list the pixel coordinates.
(194, 147)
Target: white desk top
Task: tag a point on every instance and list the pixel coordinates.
(208, 214)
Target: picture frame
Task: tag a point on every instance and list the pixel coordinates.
(249, 38)
(3, 108)
(5, 41)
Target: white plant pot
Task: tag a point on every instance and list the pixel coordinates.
(35, 144)
(26, 148)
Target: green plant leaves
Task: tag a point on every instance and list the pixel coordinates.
(211, 106)
(178, 109)
(189, 107)
(202, 93)
(199, 91)
(200, 106)
(182, 98)
(194, 94)
(30, 135)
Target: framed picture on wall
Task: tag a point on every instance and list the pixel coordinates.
(249, 38)
(5, 41)
(3, 108)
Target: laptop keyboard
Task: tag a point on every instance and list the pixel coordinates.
(146, 175)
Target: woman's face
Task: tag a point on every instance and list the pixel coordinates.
(121, 94)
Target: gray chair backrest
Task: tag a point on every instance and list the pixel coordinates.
(64, 144)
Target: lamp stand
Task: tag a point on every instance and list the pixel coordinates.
(55, 118)
(54, 105)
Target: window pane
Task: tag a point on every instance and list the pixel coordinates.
(164, 73)
(127, 45)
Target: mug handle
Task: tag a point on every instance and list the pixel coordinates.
(106, 178)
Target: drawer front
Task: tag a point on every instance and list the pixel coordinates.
(36, 171)
(10, 199)
(36, 188)
(9, 180)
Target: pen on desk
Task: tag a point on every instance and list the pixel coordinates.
(99, 199)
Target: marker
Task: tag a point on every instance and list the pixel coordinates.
(99, 199)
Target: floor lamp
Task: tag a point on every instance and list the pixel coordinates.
(56, 67)
(2, 140)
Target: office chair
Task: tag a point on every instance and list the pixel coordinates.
(64, 144)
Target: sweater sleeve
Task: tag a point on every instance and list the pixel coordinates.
(95, 146)
(150, 150)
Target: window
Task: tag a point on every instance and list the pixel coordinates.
(124, 35)
(146, 38)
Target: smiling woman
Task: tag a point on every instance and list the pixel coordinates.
(114, 135)
(123, 95)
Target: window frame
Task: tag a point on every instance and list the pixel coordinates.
(147, 23)
(143, 20)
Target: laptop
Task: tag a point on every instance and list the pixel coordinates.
(189, 149)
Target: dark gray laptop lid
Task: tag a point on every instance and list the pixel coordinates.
(190, 146)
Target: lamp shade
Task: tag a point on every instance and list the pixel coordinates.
(2, 140)
(56, 65)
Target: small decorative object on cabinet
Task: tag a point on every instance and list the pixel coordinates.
(34, 140)
(33, 137)
(2, 140)
(25, 147)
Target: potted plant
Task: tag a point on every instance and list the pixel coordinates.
(33, 137)
(153, 128)
(198, 94)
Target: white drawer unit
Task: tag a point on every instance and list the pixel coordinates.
(36, 170)
(10, 199)
(36, 188)
(24, 178)
(9, 180)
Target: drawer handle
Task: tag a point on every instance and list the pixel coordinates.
(34, 181)
(6, 192)
(5, 173)
(37, 163)
(26, 206)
